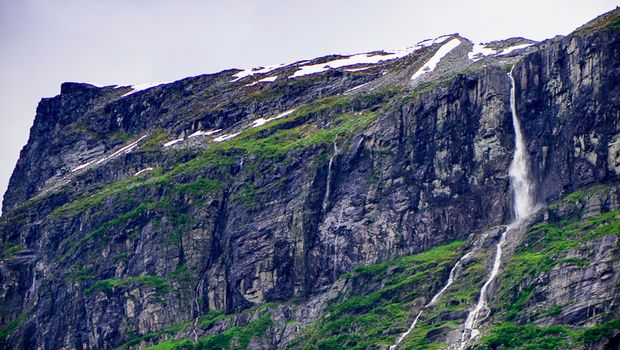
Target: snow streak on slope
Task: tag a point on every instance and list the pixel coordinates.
(430, 65)
(262, 121)
(365, 58)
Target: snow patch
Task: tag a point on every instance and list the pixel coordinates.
(262, 121)
(357, 87)
(356, 69)
(351, 61)
(430, 65)
(170, 143)
(266, 80)
(252, 71)
(364, 58)
(513, 48)
(479, 51)
(225, 137)
(82, 166)
(143, 171)
(204, 133)
(142, 86)
(125, 150)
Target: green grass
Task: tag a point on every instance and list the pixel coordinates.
(509, 336)
(8, 250)
(371, 316)
(12, 326)
(199, 187)
(272, 140)
(172, 330)
(545, 246)
(233, 338)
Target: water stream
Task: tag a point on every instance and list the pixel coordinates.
(197, 305)
(433, 301)
(328, 186)
(523, 206)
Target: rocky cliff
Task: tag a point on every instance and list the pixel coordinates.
(323, 203)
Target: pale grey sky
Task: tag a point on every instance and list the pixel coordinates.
(46, 42)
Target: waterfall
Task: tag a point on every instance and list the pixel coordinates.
(329, 176)
(197, 305)
(519, 171)
(433, 301)
(523, 206)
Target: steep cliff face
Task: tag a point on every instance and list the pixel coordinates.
(231, 210)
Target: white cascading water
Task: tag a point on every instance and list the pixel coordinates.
(433, 301)
(523, 200)
(523, 206)
(329, 176)
(197, 305)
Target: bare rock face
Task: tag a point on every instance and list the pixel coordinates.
(236, 202)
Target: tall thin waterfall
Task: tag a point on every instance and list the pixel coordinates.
(523, 200)
(328, 185)
(523, 206)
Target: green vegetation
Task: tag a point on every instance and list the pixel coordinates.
(105, 286)
(610, 21)
(509, 336)
(120, 221)
(209, 319)
(233, 338)
(8, 250)
(370, 317)
(272, 140)
(81, 274)
(7, 330)
(601, 331)
(199, 187)
(545, 245)
(135, 340)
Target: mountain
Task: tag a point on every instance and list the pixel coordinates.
(451, 195)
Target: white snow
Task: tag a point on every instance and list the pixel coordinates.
(430, 65)
(204, 133)
(225, 137)
(143, 171)
(513, 48)
(82, 166)
(266, 80)
(251, 71)
(262, 121)
(479, 51)
(170, 143)
(125, 149)
(364, 58)
(356, 69)
(357, 87)
(141, 86)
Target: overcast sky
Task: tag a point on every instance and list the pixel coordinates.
(46, 42)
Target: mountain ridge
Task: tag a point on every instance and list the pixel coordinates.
(325, 210)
